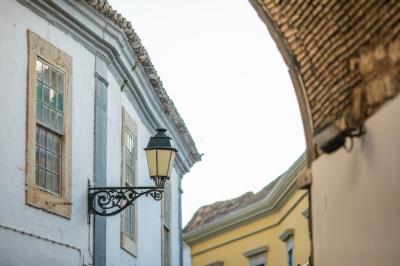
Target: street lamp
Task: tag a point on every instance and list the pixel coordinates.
(108, 201)
(160, 157)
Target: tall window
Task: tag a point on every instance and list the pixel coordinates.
(287, 237)
(130, 157)
(166, 226)
(290, 257)
(129, 165)
(48, 145)
(50, 83)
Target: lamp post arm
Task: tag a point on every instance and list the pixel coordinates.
(108, 201)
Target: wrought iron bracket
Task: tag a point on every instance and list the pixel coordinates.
(108, 201)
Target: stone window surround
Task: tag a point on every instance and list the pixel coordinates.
(257, 256)
(35, 196)
(128, 243)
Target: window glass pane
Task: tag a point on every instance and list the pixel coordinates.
(130, 158)
(46, 94)
(60, 122)
(49, 161)
(42, 178)
(46, 73)
(37, 155)
(37, 172)
(57, 144)
(53, 121)
(39, 111)
(39, 91)
(128, 221)
(49, 181)
(53, 98)
(129, 169)
(42, 140)
(46, 114)
(42, 158)
(60, 81)
(57, 165)
(37, 134)
(60, 102)
(53, 78)
(290, 256)
(48, 142)
(39, 70)
(56, 187)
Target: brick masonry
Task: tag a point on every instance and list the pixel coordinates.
(347, 53)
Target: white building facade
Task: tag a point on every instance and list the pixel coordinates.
(80, 100)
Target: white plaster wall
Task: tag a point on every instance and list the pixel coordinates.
(175, 228)
(187, 255)
(148, 210)
(14, 22)
(356, 196)
(19, 249)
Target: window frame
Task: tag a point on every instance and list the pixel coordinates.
(129, 243)
(35, 196)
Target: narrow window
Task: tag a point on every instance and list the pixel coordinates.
(290, 257)
(50, 83)
(128, 179)
(130, 157)
(49, 133)
(287, 236)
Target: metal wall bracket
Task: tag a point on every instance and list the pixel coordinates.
(108, 201)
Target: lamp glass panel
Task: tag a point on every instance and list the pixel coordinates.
(152, 162)
(171, 162)
(163, 160)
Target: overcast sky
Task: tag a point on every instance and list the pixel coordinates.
(228, 81)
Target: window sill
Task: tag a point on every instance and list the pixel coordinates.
(49, 202)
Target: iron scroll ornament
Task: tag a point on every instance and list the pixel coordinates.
(108, 201)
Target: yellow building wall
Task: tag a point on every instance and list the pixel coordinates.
(230, 246)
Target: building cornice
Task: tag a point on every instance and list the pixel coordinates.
(274, 201)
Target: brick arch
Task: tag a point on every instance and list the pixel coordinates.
(335, 51)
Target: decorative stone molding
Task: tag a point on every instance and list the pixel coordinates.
(143, 57)
(286, 234)
(256, 251)
(306, 213)
(304, 178)
(216, 263)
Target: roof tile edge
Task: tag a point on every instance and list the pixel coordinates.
(143, 57)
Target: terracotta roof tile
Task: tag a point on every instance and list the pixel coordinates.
(220, 209)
